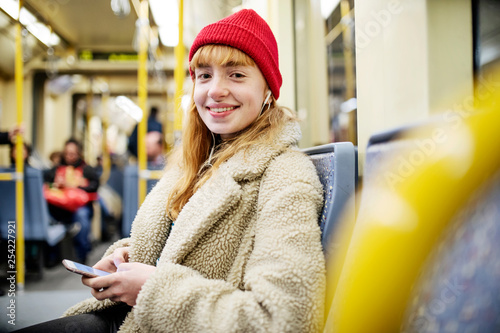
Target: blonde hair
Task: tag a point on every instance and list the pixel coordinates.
(197, 138)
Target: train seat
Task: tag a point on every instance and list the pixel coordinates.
(37, 221)
(131, 196)
(458, 288)
(336, 166)
(414, 249)
(115, 180)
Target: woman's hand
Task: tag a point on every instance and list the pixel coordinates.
(111, 262)
(122, 286)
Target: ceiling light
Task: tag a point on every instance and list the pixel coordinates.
(43, 33)
(327, 7)
(166, 16)
(26, 17)
(11, 7)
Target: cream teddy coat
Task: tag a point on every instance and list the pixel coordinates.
(244, 254)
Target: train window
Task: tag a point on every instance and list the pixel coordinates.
(341, 64)
(486, 35)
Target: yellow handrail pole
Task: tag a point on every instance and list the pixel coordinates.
(142, 96)
(89, 156)
(106, 161)
(179, 76)
(19, 159)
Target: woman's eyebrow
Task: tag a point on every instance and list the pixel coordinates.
(233, 63)
(202, 65)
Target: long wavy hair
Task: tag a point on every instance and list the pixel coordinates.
(197, 140)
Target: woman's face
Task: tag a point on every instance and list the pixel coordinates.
(71, 153)
(228, 98)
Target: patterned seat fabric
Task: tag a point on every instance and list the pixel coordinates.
(324, 167)
(459, 288)
(336, 167)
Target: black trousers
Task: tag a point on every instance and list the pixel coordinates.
(105, 321)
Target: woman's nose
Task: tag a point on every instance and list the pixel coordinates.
(218, 88)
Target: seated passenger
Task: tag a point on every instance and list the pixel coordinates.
(73, 173)
(55, 158)
(26, 154)
(228, 240)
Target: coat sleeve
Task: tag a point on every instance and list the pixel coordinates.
(93, 179)
(284, 279)
(49, 175)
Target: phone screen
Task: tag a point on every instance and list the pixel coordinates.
(91, 270)
(74, 266)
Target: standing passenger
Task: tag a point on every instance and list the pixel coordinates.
(228, 241)
(153, 125)
(8, 137)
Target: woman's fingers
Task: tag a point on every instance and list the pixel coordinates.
(106, 264)
(124, 285)
(120, 256)
(104, 293)
(98, 283)
(111, 262)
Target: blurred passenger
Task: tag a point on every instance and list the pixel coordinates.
(154, 150)
(153, 125)
(55, 158)
(74, 173)
(228, 240)
(8, 137)
(26, 154)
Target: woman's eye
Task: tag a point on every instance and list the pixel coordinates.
(238, 75)
(203, 76)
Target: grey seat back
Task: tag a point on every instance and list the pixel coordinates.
(37, 226)
(336, 167)
(131, 196)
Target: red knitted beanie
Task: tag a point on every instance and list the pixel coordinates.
(248, 32)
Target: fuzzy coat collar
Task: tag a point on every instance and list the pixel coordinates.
(152, 228)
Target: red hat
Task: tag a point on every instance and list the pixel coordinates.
(247, 31)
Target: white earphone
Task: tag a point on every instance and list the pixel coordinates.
(267, 97)
(265, 102)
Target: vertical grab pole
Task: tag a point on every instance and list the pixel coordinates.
(142, 96)
(106, 160)
(88, 153)
(19, 159)
(179, 75)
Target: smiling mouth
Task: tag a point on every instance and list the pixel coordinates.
(220, 110)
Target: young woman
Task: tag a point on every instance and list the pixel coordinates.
(228, 241)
